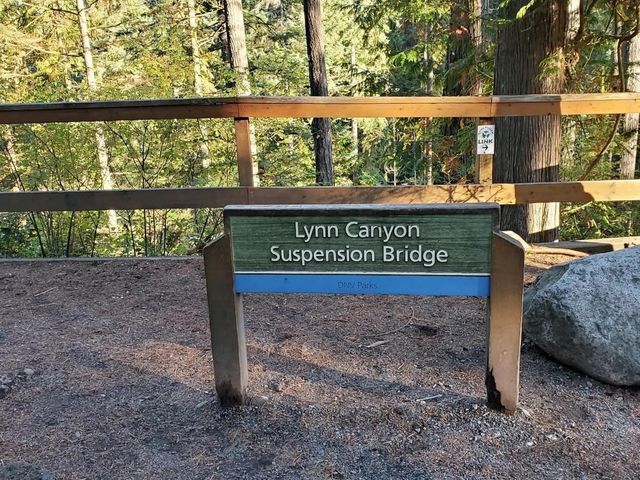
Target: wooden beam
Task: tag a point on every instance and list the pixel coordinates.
(119, 110)
(364, 107)
(243, 152)
(484, 163)
(228, 343)
(579, 192)
(599, 245)
(505, 321)
(121, 199)
(218, 197)
(333, 107)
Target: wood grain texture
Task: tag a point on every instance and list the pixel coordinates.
(243, 152)
(309, 107)
(505, 322)
(218, 197)
(600, 245)
(228, 343)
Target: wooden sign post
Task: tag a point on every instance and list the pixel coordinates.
(435, 250)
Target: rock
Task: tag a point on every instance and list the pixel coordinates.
(23, 471)
(258, 401)
(525, 412)
(29, 372)
(585, 315)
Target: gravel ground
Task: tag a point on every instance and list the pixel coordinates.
(106, 372)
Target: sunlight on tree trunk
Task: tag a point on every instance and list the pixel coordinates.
(103, 153)
(629, 157)
(237, 45)
(195, 48)
(529, 59)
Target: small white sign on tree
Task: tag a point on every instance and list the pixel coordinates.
(486, 139)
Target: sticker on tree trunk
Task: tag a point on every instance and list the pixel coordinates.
(486, 139)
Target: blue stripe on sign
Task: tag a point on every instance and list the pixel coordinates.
(431, 285)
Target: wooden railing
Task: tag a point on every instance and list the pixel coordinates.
(502, 193)
(241, 109)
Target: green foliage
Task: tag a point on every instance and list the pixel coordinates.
(143, 49)
(600, 220)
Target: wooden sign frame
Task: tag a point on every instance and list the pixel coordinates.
(503, 285)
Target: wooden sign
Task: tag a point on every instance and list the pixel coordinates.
(416, 250)
(453, 250)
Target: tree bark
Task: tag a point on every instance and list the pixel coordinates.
(320, 127)
(528, 148)
(103, 153)
(628, 161)
(237, 44)
(486, 11)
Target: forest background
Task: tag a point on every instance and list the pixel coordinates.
(70, 50)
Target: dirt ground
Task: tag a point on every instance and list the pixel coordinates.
(107, 374)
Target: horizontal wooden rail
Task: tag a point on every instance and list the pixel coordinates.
(307, 107)
(505, 194)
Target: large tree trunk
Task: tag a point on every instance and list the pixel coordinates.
(528, 148)
(630, 125)
(320, 127)
(103, 153)
(236, 37)
(237, 44)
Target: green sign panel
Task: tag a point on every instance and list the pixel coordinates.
(453, 239)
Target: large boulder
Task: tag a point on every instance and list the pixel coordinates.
(586, 315)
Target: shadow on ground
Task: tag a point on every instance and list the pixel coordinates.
(122, 384)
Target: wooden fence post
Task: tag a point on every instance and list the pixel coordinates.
(243, 148)
(505, 321)
(226, 321)
(484, 163)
